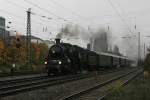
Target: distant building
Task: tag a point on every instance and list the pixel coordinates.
(2, 27)
(23, 38)
(4, 34)
(49, 43)
(36, 40)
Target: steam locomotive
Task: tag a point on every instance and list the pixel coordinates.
(64, 58)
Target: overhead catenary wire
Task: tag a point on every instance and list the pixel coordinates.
(58, 17)
(65, 8)
(47, 17)
(13, 3)
(9, 13)
(36, 14)
(33, 13)
(123, 11)
(40, 15)
(22, 19)
(43, 9)
(20, 23)
(123, 20)
(23, 28)
(34, 33)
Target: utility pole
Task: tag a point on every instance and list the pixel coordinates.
(144, 50)
(28, 38)
(139, 48)
(91, 39)
(108, 44)
(108, 27)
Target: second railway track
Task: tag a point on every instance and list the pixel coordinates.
(87, 94)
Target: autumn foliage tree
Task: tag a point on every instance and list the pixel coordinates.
(12, 54)
(16, 55)
(147, 61)
(39, 52)
(2, 51)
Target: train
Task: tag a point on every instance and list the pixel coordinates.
(65, 58)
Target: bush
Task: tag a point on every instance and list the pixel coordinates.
(26, 67)
(138, 89)
(147, 62)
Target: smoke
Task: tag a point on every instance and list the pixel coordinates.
(69, 30)
(116, 50)
(131, 47)
(100, 39)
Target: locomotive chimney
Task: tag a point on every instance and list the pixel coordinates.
(57, 41)
(89, 46)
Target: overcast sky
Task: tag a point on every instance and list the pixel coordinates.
(120, 15)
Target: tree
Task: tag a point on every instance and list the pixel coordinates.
(15, 54)
(43, 52)
(39, 52)
(36, 50)
(3, 52)
(1, 44)
(147, 60)
(18, 55)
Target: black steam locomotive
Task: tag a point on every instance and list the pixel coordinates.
(64, 58)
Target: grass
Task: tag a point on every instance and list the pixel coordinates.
(139, 89)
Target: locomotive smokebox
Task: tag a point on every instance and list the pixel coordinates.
(57, 41)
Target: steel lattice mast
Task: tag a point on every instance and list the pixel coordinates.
(28, 38)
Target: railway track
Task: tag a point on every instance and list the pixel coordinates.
(17, 86)
(11, 87)
(18, 80)
(14, 86)
(89, 93)
(122, 85)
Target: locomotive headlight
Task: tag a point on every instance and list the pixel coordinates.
(59, 62)
(45, 62)
(53, 51)
(69, 60)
